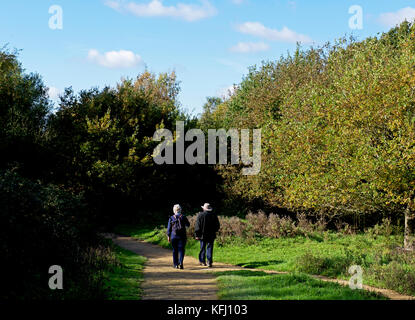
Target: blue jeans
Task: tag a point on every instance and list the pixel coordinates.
(178, 245)
(206, 249)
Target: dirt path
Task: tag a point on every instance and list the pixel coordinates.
(195, 282)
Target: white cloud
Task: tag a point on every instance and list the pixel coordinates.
(54, 93)
(227, 92)
(238, 1)
(247, 47)
(113, 4)
(391, 19)
(285, 35)
(115, 59)
(156, 8)
(292, 5)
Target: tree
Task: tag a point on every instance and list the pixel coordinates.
(338, 128)
(23, 114)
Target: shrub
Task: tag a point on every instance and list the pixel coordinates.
(43, 226)
(257, 223)
(274, 226)
(191, 229)
(231, 227)
(278, 227)
(396, 276)
(327, 266)
(386, 228)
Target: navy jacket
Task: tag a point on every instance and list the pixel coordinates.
(170, 231)
(207, 224)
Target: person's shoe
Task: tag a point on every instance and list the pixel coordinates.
(175, 267)
(181, 267)
(203, 264)
(210, 265)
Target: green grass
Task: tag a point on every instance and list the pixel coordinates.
(250, 285)
(123, 281)
(328, 254)
(257, 285)
(280, 254)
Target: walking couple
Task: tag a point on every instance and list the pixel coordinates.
(207, 225)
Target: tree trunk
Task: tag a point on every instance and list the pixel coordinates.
(408, 244)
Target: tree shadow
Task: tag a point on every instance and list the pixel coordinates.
(242, 273)
(258, 264)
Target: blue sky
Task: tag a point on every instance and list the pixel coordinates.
(209, 43)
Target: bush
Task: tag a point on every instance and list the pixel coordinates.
(332, 266)
(191, 229)
(395, 269)
(327, 266)
(274, 226)
(230, 228)
(259, 224)
(43, 226)
(386, 228)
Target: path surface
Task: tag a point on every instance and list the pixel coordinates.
(195, 282)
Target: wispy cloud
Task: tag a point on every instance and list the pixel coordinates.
(156, 8)
(284, 35)
(237, 67)
(391, 19)
(248, 47)
(226, 92)
(292, 5)
(237, 1)
(54, 93)
(115, 59)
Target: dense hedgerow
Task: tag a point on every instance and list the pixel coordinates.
(263, 225)
(43, 226)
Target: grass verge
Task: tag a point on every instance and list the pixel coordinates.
(258, 285)
(124, 279)
(329, 254)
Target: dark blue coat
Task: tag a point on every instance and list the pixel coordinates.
(170, 231)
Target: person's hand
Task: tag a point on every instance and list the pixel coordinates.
(197, 238)
(168, 239)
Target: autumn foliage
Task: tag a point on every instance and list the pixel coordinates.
(338, 127)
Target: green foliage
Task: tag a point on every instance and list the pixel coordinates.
(104, 144)
(24, 106)
(394, 269)
(66, 174)
(338, 127)
(44, 226)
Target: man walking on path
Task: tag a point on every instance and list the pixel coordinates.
(207, 224)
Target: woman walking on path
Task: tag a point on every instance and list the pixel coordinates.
(176, 235)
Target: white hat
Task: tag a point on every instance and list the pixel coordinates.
(207, 207)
